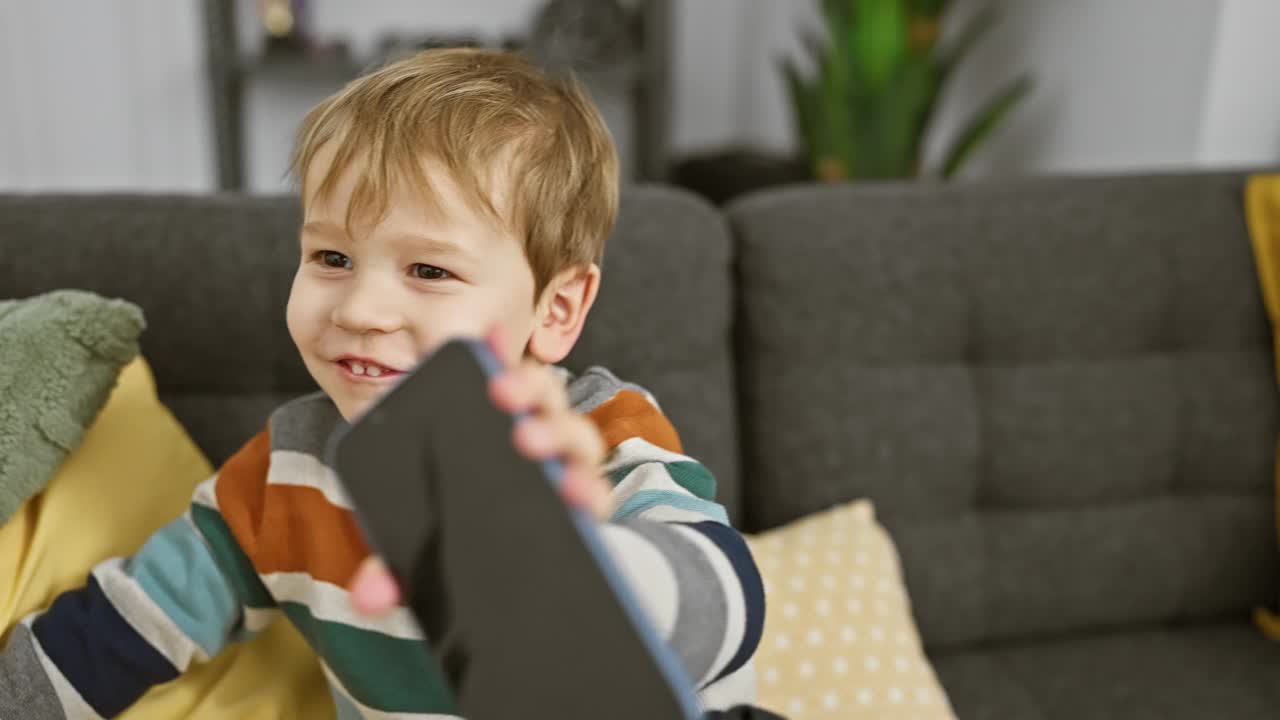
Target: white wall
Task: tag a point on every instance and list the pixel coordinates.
(1119, 84)
(727, 89)
(1240, 123)
(102, 95)
(707, 82)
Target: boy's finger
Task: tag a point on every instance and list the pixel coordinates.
(580, 440)
(570, 437)
(529, 387)
(587, 490)
(373, 589)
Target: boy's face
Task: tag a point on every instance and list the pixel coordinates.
(363, 311)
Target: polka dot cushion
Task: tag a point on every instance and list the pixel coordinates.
(839, 641)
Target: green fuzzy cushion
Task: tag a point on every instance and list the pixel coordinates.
(60, 354)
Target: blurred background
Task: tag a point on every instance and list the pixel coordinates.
(722, 96)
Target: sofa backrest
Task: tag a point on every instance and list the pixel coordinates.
(1058, 392)
(212, 275)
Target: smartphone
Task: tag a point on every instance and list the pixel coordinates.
(518, 599)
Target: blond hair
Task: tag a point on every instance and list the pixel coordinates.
(473, 110)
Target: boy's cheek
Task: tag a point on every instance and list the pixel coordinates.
(305, 311)
(296, 305)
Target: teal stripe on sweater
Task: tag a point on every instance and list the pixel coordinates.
(690, 475)
(176, 570)
(231, 559)
(405, 679)
(646, 499)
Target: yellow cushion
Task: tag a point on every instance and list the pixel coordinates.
(134, 471)
(1262, 210)
(839, 640)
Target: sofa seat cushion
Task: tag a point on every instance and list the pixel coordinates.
(1225, 670)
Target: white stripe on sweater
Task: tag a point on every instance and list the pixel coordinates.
(636, 450)
(258, 619)
(289, 467)
(736, 688)
(650, 476)
(332, 603)
(648, 575)
(205, 494)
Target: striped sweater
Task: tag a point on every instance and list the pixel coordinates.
(272, 533)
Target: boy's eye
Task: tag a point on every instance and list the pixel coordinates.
(335, 259)
(424, 271)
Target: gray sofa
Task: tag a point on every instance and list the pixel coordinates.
(1058, 392)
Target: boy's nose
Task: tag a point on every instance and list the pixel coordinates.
(367, 308)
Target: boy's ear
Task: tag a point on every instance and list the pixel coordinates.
(561, 311)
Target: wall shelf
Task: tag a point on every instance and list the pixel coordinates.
(633, 93)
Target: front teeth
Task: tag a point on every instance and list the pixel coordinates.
(359, 368)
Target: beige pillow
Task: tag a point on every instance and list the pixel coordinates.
(839, 640)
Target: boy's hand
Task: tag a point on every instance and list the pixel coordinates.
(553, 430)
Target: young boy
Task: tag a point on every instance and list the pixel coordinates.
(453, 193)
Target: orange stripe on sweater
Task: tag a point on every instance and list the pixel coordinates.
(304, 532)
(629, 414)
(239, 487)
(286, 528)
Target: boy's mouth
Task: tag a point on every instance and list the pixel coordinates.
(365, 370)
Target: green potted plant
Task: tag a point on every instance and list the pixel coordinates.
(864, 109)
(880, 71)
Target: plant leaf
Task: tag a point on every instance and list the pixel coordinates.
(879, 41)
(804, 105)
(917, 92)
(834, 116)
(973, 31)
(982, 124)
